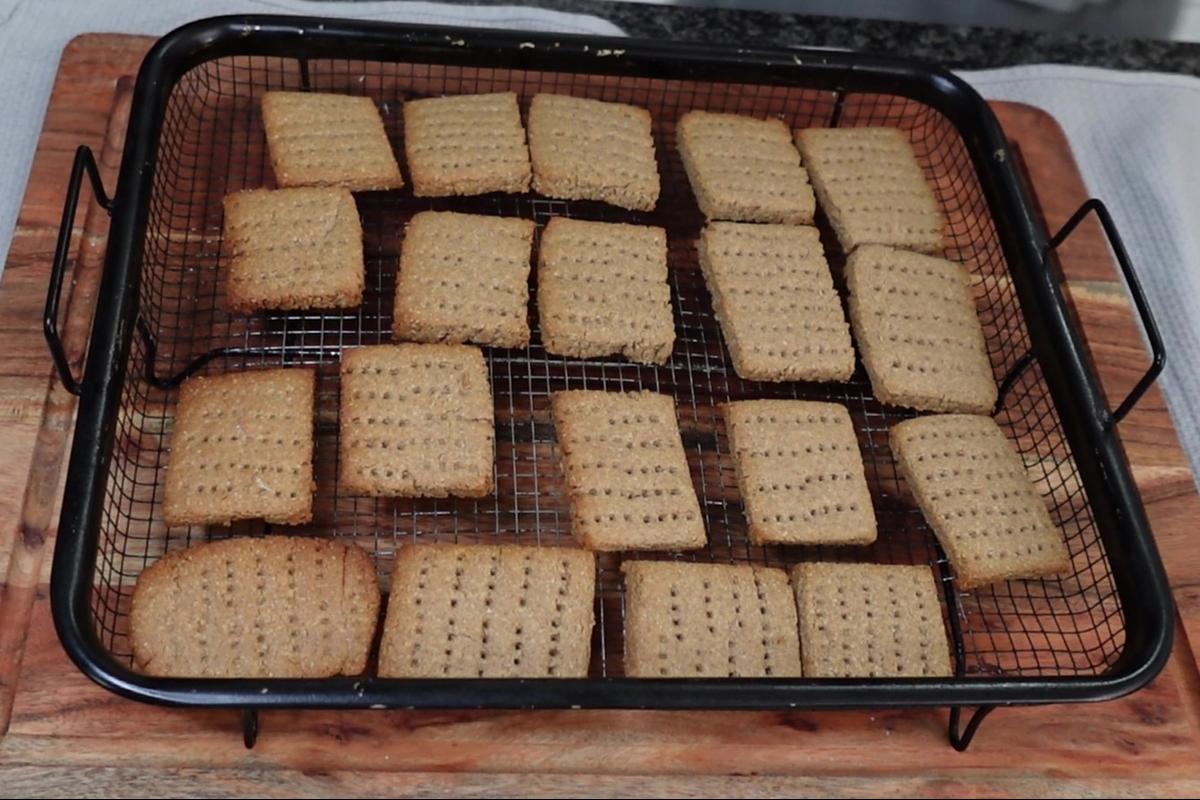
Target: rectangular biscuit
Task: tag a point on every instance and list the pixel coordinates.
(915, 323)
(744, 169)
(627, 477)
(774, 297)
(602, 290)
(709, 621)
(489, 611)
(416, 420)
(276, 607)
(242, 448)
(320, 139)
(871, 188)
(800, 472)
(590, 150)
(293, 249)
(870, 621)
(974, 491)
(466, 145)
(464, 278)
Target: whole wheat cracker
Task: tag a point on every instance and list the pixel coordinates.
(489, 611)
(870, 621)
(744, 168)
(293, 249)
(585, 149)
(775, 300)
(915, 323)
(709, 620)
(602, 290)
(800, 472)
(974, 491)
(466, 145)
(275, 607)
(416, 420)
(242, 448)
(464, 278)
(627, 475)
(871, 188)
(319, 139)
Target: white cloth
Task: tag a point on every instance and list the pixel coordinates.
(1132, 134)
(33, 34)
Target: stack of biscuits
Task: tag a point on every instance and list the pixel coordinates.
(416, 417)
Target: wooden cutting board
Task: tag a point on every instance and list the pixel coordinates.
(65, 735)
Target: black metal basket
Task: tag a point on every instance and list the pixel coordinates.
(195, 135)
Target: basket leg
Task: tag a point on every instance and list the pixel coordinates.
(249, 727)
(960, 740)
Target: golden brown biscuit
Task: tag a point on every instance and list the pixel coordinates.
(744, 169)
(800, 472)
(916, 327)
(276, 607)
(774, 297)
(589, 150)
(466, 145)
(627, 476)
(871, 188)
(416, 421)
(464, 278)
(488, 611)
(974, 492)
(870, 621)
(320, 139)
(293, 249)
(602, 290)
(242, 448)
(709, 621)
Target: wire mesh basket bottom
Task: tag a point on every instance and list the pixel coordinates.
(212, 143)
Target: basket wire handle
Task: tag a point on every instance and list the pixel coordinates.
(1135, 290)
(85, 163)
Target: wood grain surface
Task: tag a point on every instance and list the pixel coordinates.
(65, 735)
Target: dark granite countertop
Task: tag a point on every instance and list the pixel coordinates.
(955, 47)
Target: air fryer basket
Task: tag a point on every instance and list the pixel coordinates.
(196, 135)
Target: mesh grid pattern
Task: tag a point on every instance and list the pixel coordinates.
(212, 143)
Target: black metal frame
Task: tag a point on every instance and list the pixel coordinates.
(1086, 419)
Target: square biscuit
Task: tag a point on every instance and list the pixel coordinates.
(416, 420)
(917, 330)
(464, 278)
(489, 611)
(775, 300)
(627, 477)
(800, 472)
(590, 150)
(974, 491)
(466, 145)
(273, 607)
(242, 448)
(871, 188)
(744, 169)
(293, 249)
(602, 290)
(870, 621)
(328, 140)
(709, 621)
